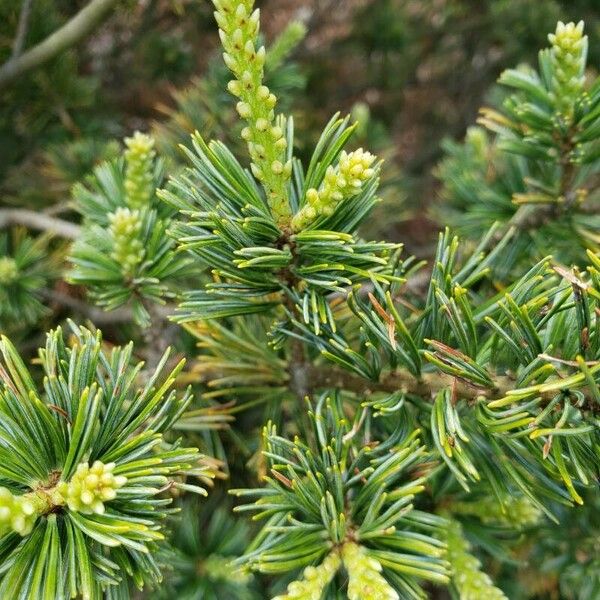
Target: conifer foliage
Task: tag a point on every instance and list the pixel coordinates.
(418, 421)
(83, 463)
(125, 256)
(537, 173)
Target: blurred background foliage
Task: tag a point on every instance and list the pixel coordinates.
(415, 71)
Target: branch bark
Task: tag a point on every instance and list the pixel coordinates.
(158, 336)
(96, 315)
(66, 36)
(39, 221)
(427, 386)
(401, 380)
(22, 28)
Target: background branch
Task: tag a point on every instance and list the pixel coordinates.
(97, 316)
(427, 386)
(22, 28)
(101, 317)
(39, 221)
(72, 32)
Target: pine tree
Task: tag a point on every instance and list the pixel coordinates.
(535, 173)
(412, 434)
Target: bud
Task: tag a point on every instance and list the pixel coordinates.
(343, 181)
(364, 572)
(8, 270)
(260, 56)
(219, 18)
(237, 37)
(240, 24)
(254, 21)
(249, 49)
(91, 487)
(516, 511)
(234, 87)
(271, 101)
(568, 55)
(314, 580)
(262, 124)
(256, 171)
(240, 13)
(139, 170)
(263, 92)
(17, 513)
(470, 581)
(244, 110)
(229, 61)
(125, 229)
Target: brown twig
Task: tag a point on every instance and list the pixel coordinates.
(158, 336)
(39, 221)
(95, 315)
(426, 386)
(98, 316)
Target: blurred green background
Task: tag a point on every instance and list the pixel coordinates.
(412, 71)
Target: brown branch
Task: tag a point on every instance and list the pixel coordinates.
(427, 386)
(160, 334)
(39, 221)
(71, 33)
(95, 315)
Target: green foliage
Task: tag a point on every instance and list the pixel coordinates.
(24, 273)
(338, 492)
(567, 556)
(125, 255)
(239, 358)
(85, 464)
(206, 538)
(501, 383)
(228, 225)
(538, 174)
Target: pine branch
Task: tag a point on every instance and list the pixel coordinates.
(529, 217)
(426, 386)
(87, 466)
(125, 254)
(70, 34)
